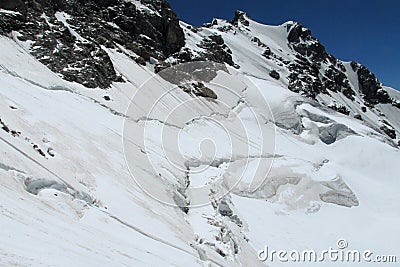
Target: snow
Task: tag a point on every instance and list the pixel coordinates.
(232, 148)
(143, 7)
(10, 12)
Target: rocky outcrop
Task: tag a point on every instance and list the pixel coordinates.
(204, 91)
(389, 131)
(198, 89)
(274, 74)
(336, 80)
(302, 41)
(14, 5)
(70, 43)
(315, 71)
(240, 17)
(370, 86)
(212, 49)
(307, 74)
(217, 50)
(340, 108)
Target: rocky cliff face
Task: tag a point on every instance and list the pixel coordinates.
(67, 36)
(370, 86)
(16, 5)
(309, 76)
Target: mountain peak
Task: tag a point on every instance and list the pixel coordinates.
(242, 17)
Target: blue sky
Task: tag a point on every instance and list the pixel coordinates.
(365, 31)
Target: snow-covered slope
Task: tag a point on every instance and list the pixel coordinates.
(202, 164)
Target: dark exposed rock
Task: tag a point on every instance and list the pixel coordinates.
(354, 66)
(241, 17)
(358, 117)
(7, 129)
(298, 32)
(274, 74)
(161, 66)
(340, 109)
(199, 89)
(267, 53)
(206, 92)
(217, 50)
(336, 81)
(15, 133)
(50, 151)
(217, 39)
(364, 109)
(348, 92)
(40, 151)
(389, 131)
(307, 76)
(304, 78)
(185, 55)
(107, 98)
(225, 28)
(4, 126)
(258, 42)
(302, 41)
(14, 5)
(370, 86)
(213, 47)
(141, 61)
